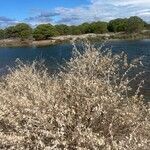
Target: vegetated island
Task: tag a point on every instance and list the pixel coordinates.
(46, 34)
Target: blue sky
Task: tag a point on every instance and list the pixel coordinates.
(70, 11)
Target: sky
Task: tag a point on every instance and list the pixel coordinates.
(70, 12)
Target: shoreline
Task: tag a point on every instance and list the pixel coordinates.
(69, 38)
(52, 41)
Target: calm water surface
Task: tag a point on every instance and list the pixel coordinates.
(57, 54)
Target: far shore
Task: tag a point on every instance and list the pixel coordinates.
(61, 39)
(51, 41)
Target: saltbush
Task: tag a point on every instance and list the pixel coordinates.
(84, 107)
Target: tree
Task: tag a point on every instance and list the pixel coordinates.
(1, 34)
(147, 26)
(134, 25)
(75, 30)
(44, 31)
(85, 28)
(10, 32)
(117, 25)
(23, 31)
(63, 29)
(99, 27)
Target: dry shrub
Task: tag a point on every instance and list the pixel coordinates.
(85, 107)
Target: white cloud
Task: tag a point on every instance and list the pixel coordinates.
(105, 10)
(121, 2)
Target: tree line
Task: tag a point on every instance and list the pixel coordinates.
(45, 31)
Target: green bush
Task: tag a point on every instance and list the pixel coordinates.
(10, 32)
(99, 27)
(21, 30)
(2, 34)
(75, 30)
(147, 26)
(135, 25)
(85, 28)
(44, 31)
(117, 25)
(63, 29)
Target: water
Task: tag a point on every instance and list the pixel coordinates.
(57, 54)
(53, 55)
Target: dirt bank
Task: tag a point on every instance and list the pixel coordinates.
(60, 39)
(53, 40)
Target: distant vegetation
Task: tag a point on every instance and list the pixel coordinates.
(45, 31)
(21, 30)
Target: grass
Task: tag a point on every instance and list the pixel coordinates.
(85, 107)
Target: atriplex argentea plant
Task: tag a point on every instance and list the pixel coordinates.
(85, 107)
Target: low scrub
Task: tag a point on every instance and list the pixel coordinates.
(84, 107)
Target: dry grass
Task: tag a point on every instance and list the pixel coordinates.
(87, 107)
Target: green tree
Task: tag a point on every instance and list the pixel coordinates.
(23, 31)
(2, 34)
(85, 28)
(117, 25)
(44, 31)
(135, 25)
(75, 30)
(147, 26)
(99, 27)
(63, 29)
(10, 32)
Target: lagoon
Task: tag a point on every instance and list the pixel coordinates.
(56, 55)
